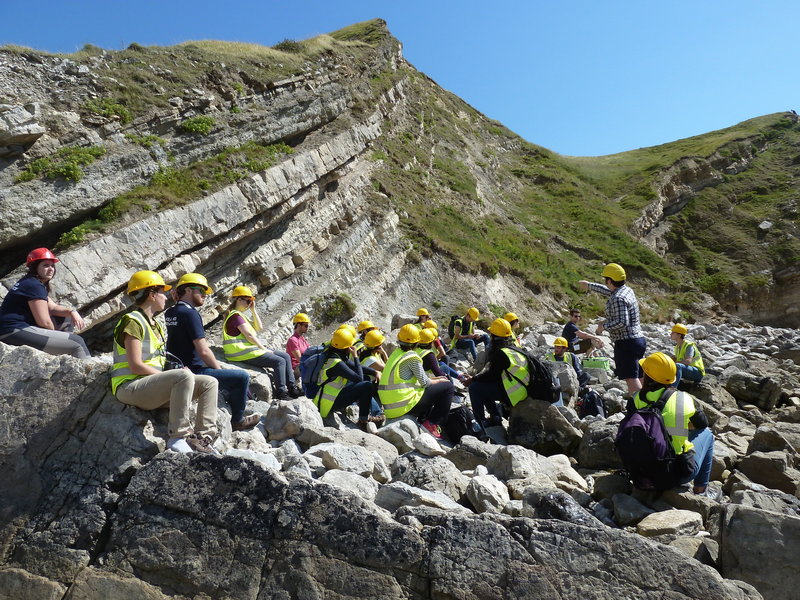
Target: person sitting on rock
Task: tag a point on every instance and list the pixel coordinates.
(685, 421)
(513, 320)
(580, 341)
(503, 379)
(186, 339)
(297, 342)
(138, 378)
(688, 359)
(373, 354)
(405, 389)
(29, 317)
(438, 354)
(343, 381)
(364, 327)
(559, 354)
(464, 337)
(240, 344)
(423, 316)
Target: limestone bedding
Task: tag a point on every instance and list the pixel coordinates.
(93, 506)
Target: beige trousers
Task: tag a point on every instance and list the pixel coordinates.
(176, 388)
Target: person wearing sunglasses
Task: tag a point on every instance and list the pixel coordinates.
(186, 339)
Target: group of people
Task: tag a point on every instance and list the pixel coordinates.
(156, 366)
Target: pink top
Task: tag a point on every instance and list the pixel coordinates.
(296, 342)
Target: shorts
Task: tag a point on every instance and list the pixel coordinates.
(626, 356)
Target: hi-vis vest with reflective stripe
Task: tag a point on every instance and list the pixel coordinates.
(327, 393)
(397, 395)
(152, 349)
(697, 361)
(464, 330)
(677, 412)
(237, 347)
(566, 357)
(516, 390)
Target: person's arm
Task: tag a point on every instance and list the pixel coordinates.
(257, 324)
(205, 354)
(40, 313)
(698, 420)
(440, 353)
(587, 286)
(344, 369)
(63, 311)
(250, 335)
(133, 350)
(429, 363)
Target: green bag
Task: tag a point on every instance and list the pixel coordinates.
(596, 362)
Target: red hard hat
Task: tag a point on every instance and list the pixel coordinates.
(40, 254)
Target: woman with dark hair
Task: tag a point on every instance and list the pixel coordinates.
(373, 355)
(29, 317)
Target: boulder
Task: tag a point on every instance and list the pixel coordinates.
(397, 494)
(426, 444)
(764, 392)
(487, 493)
(761, 548)
(596, 449)
(266, 460)
(514, 462)
(435, 474)
(703, 550)
(541, 503)
(758, 496)
(289, 418)
(400, 433)
(568, 379)
(363, 487)
(19, 128)
(349, 437)
(539, 426)
(470, 452)
(770, 437)
(670, 522)
(772, 469)
(606, 484)
(344, 457)
(628, 510)
(18, 584)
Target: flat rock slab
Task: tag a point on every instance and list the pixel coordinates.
(670, 522)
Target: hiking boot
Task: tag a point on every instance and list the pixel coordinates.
(199, 445)
(433, 429)
(283, 394)
(295, 391)
(178, 445)
(379, 420)
(248, 422)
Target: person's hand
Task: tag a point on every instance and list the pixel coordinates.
(600, 329)
(77, 320)
(584, 285)
(598, 342)
(353, 352)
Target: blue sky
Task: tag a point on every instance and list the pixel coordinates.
(580, 77)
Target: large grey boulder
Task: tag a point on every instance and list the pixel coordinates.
(487, 493)
(397, 494)
(289, 418)
(772, 469)
(470, 452)
(353, 437)
(596, 449)
(568, 379)
(514, 462)
(758, 496)
(539, 426)
(541, 503)
(19, 128)
(761, 548)
(764, 392)
(436, 474)
(670, 522)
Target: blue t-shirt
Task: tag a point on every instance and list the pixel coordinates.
(570, 333)
(184, 325)
(15, 313)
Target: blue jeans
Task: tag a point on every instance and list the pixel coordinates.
(448, 370)
(686, 372)
(235, 382)
(361, 393)
(279, 362)
(471, 345)
(703, 441)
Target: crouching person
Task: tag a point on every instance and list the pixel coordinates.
(405, 389)
(686, 424)
(138, 378)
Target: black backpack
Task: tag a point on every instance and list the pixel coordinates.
(451, 326)
(460, 422)
(645, 447)
(543, 383)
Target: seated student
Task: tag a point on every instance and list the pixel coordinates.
(186, 339)
(513, 320)
(364, 327)
(138, 378)
(503, 378)
(580, 341)
(463, 336)
(373, 355)
(559, 354)
(438, 351)
(684, 420)
(298, 343)
(423, 316)
(688, 359)
(425, 350)
(405, 389)
(240, 344)
(343, 381)
(28, 317)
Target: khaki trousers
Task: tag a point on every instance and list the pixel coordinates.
(176, 388)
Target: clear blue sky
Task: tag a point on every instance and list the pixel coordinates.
(581, 77)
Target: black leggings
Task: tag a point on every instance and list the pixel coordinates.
(435, 403)
(48, 340)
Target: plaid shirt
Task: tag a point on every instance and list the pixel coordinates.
(622, 312)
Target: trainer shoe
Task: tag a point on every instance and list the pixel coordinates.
(248, 422)
(433, 429)
(199, 445)
(179, 445)
(295, 391)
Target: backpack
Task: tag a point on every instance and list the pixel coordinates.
(451, 326)
(589, 404)
(311, 363)
(543, 383)
(645, 447)
(460, 422)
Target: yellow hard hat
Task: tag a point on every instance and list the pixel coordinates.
(408, 334)
(614, 272)
(430, 324)
(474, 313)
(197, 279)
(680, 328)
(374, 338)
(426, 336)
(423, 312)
(242, 291)
(349, 328)
(146, 279)
(659, 367)
(509, 316)
(301, 318)
(561, 342)
(342, 339)
(501, 328)
(365, 325)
